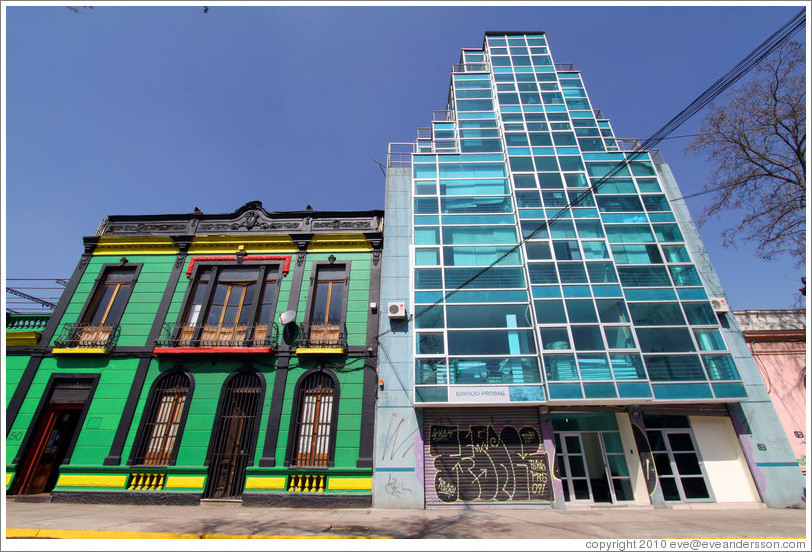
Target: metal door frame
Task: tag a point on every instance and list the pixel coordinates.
(606, 468)
(675, 474)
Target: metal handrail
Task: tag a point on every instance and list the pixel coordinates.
(322, 336)
(224, 335)
(88, 336)
(476, 67)
(443, 115)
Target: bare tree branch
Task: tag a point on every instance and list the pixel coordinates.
(756, 145)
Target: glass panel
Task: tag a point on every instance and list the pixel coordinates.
(643, 276)
(573, 443)
(720, 367)
(561, 367)
(493, 278)
(427, 316)
(623, 489)
(680, 441)
(709, 340)
(538, 250)
(577, 468)
(472, 235)
(488, 316)
(687, 463)
(593, 367)
(685, 275)
(496, 370)
(554, 338)
(669, 487)
(587, 338)
(656, 314)
(430, 343)
(674, 368)
(637, 254)
(581, 311)
(491, 342)
(581, 489)
(694, 487)
(430, 371)
(676, 254)
(550, 312)
(617, 465)
(626, 366)
(481, 256)
(700, 314)
(656, 441)
(612, 443)
(619, 337)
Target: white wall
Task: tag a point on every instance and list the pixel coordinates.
(724, 462)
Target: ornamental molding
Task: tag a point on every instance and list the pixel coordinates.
(285, 258)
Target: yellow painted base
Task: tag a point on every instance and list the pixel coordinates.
(319, 351)
(22, 339)
(277, 483)
(81, 480)
(185, 482)
(79, 351)
(350, 483)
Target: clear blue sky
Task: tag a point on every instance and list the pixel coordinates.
(149, 110)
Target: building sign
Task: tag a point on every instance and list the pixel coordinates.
(478, 394)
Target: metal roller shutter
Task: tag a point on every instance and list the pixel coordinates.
(485, 456)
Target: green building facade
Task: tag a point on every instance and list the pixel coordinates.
(204, 357)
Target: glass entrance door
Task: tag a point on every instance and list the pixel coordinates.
(592, 467)
(679, 468)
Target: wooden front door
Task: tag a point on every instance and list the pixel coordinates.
(39, 469)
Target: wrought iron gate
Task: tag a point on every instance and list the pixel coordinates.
(232, 439)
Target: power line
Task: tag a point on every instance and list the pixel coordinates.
(711, 93)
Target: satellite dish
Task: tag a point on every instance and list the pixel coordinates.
(287, 317)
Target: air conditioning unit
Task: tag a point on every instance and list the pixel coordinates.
(397, 310)
(719, 304)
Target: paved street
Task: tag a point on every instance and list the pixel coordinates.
(218, 520)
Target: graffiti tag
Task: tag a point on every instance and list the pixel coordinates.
(479, 464)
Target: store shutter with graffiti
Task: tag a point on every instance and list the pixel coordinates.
(487, 456)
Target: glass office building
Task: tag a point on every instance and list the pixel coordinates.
(556, 335)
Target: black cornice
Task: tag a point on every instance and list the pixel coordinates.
(251, 218)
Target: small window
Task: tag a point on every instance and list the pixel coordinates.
(314, 422)
(164, 419)
(98, 325)
(327, 305)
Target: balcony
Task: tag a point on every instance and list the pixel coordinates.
(322, 339)
(224, 338)
(86, 339)
(24, 329)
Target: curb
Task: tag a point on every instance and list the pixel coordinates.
(15, 533)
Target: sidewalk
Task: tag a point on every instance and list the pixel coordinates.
(230, 520)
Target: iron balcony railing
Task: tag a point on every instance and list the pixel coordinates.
(322, 336)
(87, 336)
(218, 336)
(26, 322)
